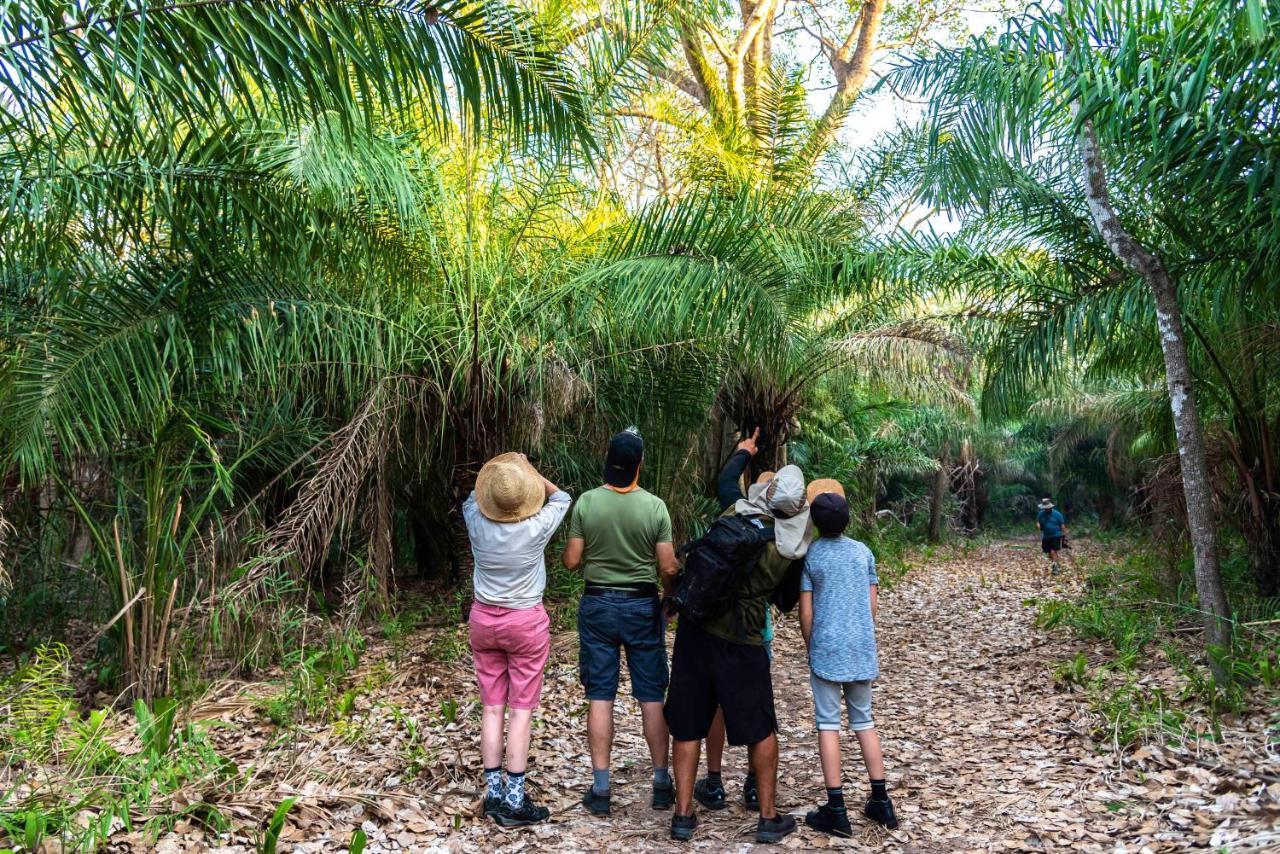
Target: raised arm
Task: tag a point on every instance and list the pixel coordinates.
(727, 488)
(553, 512)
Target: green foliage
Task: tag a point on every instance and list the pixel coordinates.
(271, 836)
(97, 785)
(1124, 605)
(314, 689)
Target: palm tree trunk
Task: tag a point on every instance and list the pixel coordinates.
(1186, 419)
(941, 479)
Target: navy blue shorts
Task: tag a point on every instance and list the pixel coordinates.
(609, 622)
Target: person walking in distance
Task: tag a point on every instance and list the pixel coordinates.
(1053, 531)
(511, 516)
(620, 538)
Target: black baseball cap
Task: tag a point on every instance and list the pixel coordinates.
(626, 450)
(830, 513)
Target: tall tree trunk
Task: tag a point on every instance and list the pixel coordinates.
(1186, 419)
(851, 64)
(941, 480)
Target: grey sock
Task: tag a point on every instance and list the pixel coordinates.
(600, 781)
(493, 782)
(515, 790)
(661, 777)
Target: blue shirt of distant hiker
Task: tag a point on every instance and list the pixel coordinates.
(839, 573)
(1051, 522)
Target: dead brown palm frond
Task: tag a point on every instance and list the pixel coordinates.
(916, 355)
(6, 531)
(353, 452)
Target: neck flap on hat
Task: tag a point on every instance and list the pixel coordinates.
(782, 500)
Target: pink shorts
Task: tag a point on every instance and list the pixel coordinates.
(509, 648)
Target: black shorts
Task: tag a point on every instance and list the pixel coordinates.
(1051, 544)
(707, 671)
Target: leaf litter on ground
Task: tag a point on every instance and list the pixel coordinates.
(985, 751)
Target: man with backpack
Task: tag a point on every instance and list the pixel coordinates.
(731, 576)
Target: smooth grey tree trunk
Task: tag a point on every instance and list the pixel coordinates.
(1196, 485)
(941, 480)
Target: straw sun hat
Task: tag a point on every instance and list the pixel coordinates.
(509, 489)
(821, 485)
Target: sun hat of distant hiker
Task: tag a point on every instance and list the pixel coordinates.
(509, 489)
(1046, 504)
(824, 484)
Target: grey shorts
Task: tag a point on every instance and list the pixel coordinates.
(826, 703)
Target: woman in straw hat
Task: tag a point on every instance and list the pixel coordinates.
(511, 516)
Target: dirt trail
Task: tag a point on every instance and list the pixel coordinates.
(983, 752)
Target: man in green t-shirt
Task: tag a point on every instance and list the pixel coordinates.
(620, 537)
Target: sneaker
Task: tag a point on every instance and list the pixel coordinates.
(774, 829)
(881, 812)
(750, 797)
(682, 827)
(527, 813)
(710, 795)
(595, 804)
(491, 806)
(829, 819)
(663, 796)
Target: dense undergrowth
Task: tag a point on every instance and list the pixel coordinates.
(1150, 681)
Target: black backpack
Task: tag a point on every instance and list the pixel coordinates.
(718, 564)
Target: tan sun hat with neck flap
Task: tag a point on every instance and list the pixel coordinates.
(509, 488)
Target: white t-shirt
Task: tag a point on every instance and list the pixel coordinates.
(510, 557)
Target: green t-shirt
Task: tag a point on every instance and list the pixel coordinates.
(753, 599)
(619, 532)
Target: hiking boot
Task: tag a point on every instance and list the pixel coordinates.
(881, 812)
(1053, 570)
(829, 819)
(682, 827)
(774, 829)
(711, 796)
(491, 806)
(663, 796)
(595, 804)
(750, 797)
(527, 813)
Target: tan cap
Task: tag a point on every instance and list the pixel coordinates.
(509, 488)
(821, 485)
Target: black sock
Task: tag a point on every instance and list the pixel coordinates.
(835, 798)
(751, 777)
(713, 778)
(879, 791)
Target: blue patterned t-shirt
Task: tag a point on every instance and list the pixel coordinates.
(839, 572)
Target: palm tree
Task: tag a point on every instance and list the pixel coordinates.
(1045, 119)
(212, 209)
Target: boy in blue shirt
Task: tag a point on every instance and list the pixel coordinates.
(1053, 530)
(838, 599)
